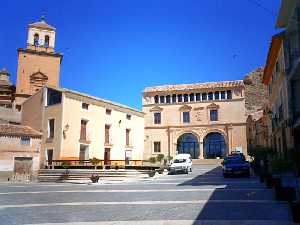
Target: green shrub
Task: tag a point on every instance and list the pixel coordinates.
(152, 159)
(95, 161)
(160, 157)
(66, 164)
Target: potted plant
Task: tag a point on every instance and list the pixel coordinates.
(94, 178)
(280, 165)
(152, 160)
(66, 165)
(294, 155)
(94, 161)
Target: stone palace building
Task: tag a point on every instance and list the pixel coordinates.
(207, 120)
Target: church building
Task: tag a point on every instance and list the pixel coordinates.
(38, 63)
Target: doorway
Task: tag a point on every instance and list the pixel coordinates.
(107, 156)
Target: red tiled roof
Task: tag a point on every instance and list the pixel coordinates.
(18, 130)
(201, 86)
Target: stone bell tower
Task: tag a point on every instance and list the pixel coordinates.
(38, 64)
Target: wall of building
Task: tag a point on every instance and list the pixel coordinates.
(10, 147)
(97, 119)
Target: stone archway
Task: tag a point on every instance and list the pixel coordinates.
(214, 145)
(188, 143)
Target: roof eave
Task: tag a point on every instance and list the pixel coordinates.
(287, 6)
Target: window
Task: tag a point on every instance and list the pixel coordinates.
(85, 106)
(127, 137)
(180, 98)
(108, 111)
(107, 127)
(204, 96)
(185, 97)
(156, 99)
(223, 95)
(36, 40)
(156, 146)
(229, 94)
(162, 99)
(186, 117)
(213, 115)
(192, 97)
(174, 98)
(198, 97)
(46, 43)
(217, 95)
(25, 141)
(157, 118)
(53, 97)
(210, 96)
(51, 128)
(168, 99)
(83, 129)
(128, 117)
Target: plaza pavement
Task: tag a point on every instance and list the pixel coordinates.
(203, 197)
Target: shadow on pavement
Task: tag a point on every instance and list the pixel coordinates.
(236, 199)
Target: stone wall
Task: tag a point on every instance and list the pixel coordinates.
(256, 93)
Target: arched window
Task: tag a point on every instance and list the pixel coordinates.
(156, 99)
(204, 96)
(36, 39)
(46, 43)
(173, 98)
(210, 96)
(229, 94)
(162, 99)
(185, 97)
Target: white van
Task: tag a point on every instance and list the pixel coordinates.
(181, 163)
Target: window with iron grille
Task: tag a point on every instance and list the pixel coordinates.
(213, 115)
(156, 146)
(186, 117)
(157, 118)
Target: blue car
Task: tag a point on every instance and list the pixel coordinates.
(235, 166)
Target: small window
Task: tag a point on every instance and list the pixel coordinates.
(185, 97)
(213, 115)
(85, 106)
(210, 96)
(217, 95)
(156, 99)
(192, 97)
(198, 97)
(229, 94)
(46, 43)
(108, 111)
(53, 97)
(156, 146)
(223, 96)
(128, 117)
(25, 141)
(157, 118)
(162, 99)
(51, 128)
(174, 98)
(179, 98)
(186, 117)
(204, 96)
(168, 99)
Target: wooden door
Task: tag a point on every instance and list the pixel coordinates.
(107, 156)
(49, 156)
(23, 165)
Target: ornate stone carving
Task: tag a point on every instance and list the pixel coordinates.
(185, 108)
(156, 109)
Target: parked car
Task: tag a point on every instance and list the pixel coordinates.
(236, 153)
(181, 163)
(235, 165)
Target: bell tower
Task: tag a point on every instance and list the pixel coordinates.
(38, 63)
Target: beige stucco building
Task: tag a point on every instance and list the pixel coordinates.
(76, 126)
(19, 151)
(207, 120)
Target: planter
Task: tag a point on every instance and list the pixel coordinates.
(285, 193)
(151, 173)
(295, 209)
(94, 178)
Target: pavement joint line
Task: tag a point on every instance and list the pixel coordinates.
(134, 190)
(140, 203)
(175, 222)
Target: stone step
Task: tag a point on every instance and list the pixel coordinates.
(207, 161)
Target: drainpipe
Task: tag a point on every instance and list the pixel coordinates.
(169, 147)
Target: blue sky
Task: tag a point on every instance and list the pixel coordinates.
(113, 49)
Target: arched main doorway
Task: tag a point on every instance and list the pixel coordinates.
(214, 146)
(188, 143)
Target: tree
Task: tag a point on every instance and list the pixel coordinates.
(95, 162)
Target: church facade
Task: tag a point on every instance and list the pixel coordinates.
(207, 120)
